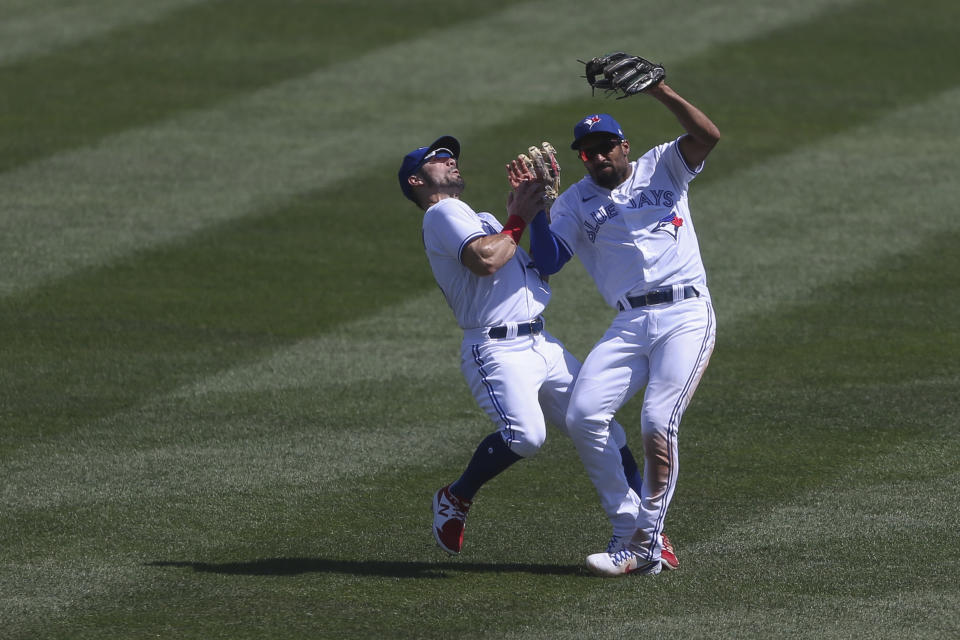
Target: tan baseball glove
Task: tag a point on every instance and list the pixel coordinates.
(542, 162)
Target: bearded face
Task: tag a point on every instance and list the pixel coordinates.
(442, 174)
(606, 159)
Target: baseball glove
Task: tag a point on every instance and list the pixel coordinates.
(542, 162)
(623, 73)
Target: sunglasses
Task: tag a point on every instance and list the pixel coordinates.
(604, 147)
(436, 153)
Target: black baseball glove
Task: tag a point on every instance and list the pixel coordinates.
(623, 73)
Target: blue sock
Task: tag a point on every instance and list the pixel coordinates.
(491, 457)
(630, 469)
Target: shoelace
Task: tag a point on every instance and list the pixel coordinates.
(621, 556)
(612, 544)
(459, 509)
(666, 544)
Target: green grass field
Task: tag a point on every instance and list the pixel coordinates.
(229, 385)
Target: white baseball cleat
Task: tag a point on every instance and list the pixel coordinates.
(620, 562)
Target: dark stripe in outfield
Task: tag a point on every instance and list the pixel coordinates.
(779, 414)
(105, 339)
(800, 84)
(193, 58)
(771, 94)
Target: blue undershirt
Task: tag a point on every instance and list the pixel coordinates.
(547, 251)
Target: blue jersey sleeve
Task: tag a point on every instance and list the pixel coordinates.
(548, 254)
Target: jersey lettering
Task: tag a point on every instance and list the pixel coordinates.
(597, 218)
(653, 198)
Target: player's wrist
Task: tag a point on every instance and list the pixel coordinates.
(514, 227)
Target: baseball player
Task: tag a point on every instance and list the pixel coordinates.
(519, 374)
(630, 223)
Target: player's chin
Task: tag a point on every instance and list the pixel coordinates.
(606, 177)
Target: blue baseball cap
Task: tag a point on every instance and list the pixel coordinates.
(596, 123)
(414, 160)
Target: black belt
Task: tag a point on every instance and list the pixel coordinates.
(523, 329)
(659, 296)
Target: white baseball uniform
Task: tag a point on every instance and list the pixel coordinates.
(633, 240)
(518, 380)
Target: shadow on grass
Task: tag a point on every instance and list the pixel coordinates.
(385, 568)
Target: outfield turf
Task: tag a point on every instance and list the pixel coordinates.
(229, 384)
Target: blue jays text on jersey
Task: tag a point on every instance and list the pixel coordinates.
(646, 198)
(638, 236)
(653, 198)
(597, 217)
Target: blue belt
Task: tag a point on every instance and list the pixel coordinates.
(659, 296)
(523, 329)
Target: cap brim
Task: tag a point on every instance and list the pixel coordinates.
(446, 142)
(413, 159)
(575, 145)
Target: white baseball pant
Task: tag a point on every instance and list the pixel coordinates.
(664, 348)
(522, 383)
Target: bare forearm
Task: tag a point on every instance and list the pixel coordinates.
(484, 256)
(692, 119)
(702, 135)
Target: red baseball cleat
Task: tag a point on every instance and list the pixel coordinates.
(668, 557)
(449, 519)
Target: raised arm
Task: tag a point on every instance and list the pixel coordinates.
(702, 134)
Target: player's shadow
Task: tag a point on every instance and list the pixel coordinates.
(383, 568)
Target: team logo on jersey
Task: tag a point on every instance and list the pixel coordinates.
(596, 218)
(670, 224)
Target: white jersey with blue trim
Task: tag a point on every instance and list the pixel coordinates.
(640, 235)
(514, 293)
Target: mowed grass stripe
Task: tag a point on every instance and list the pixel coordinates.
(811, 445)
(817, 563)
(154, 184)
(215, 155)
(777, 231)
(191, 310)
(800, 240)
(369, 356)
(192, 58)
(782, 418)
(331, 383)
(320, 544)
(274, 544)
(35, 27)
(220, 289)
